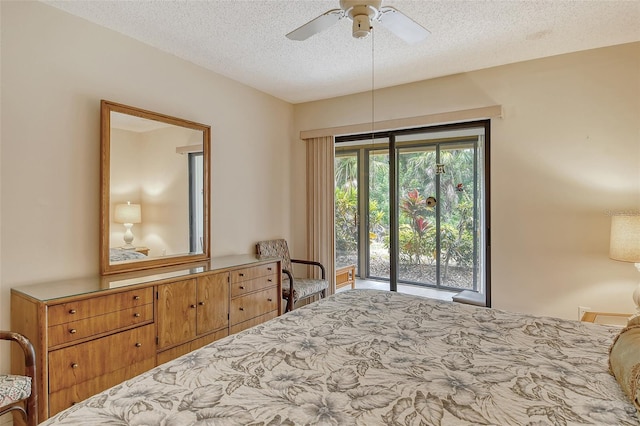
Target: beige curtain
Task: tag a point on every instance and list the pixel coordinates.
(320, 205)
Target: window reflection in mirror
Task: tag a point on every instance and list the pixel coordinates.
(196, 191)
(160, 167)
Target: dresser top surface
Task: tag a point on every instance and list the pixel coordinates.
(51, 291)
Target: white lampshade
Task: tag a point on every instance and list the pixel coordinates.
(128, 213)
(625, 244)
(625, 238)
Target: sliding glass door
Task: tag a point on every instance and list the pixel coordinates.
(439, 205)
(377, 208)
(423, 200)
(362, 208)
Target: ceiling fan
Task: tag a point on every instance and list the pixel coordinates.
(363, 13)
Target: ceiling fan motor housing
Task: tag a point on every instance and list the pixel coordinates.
(361, 13)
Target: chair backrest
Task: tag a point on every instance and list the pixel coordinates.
(275, 248)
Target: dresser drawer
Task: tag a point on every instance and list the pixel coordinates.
(237, 328)
(73, 311)
(253, 272)
(253, 305)
(67, 397)
(76, 364)
(249, 286)
(76, 330)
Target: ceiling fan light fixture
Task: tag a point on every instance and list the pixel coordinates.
(361, 26)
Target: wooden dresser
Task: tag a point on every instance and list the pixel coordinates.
(91, 334)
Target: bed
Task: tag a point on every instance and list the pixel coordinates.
(367, 357)
(119, 255)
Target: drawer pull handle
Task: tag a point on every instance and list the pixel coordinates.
(269, 280)
(241, 308)
(269, 269)
(241, 274)
(269, 300)
(73, 331)
(138, 344)
(137, 315)
(241, 287)
(193, 306)
(74, 365)
(201, 303)
(136, 297)
(72, 311)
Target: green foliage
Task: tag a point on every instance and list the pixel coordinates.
(378, 221)
(379, 193)
(412, 236)
(417, 181)
(414, 205)
(346, 208)
(417, 236)
(346, 171)
(412, 245)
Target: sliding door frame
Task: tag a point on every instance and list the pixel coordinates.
(390, 135)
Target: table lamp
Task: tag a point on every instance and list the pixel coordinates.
(128, 214)
(625, 244)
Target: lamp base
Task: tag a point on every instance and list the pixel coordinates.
(128, 237)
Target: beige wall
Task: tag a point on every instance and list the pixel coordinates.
(125, 151)
(165, 226)
(566, 152)
(55, 70)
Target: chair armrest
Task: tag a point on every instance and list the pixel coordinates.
(290, 275)
(311, 262)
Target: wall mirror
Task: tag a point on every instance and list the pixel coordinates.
(154, 189)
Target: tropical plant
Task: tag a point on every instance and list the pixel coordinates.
(414, 205)
(457, 241)
(417, 236)
(377, 226)
(412, 235)
(346, 171)
(346, 229)
(417, 180)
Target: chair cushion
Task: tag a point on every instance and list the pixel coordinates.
(303, 287)
(14, 388)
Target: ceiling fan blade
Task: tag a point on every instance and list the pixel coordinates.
(402, 26)
(317, 25)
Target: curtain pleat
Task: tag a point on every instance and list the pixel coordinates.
(320, 205)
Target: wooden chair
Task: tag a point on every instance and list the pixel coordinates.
(293, 289)
(18, 393)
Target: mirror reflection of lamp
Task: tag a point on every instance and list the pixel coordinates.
(625, 244)
(128, 214)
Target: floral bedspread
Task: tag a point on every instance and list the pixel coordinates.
(367, 357)
(117, 255)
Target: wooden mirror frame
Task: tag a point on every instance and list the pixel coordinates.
(106, 267)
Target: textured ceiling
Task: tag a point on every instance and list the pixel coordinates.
(245, 39)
